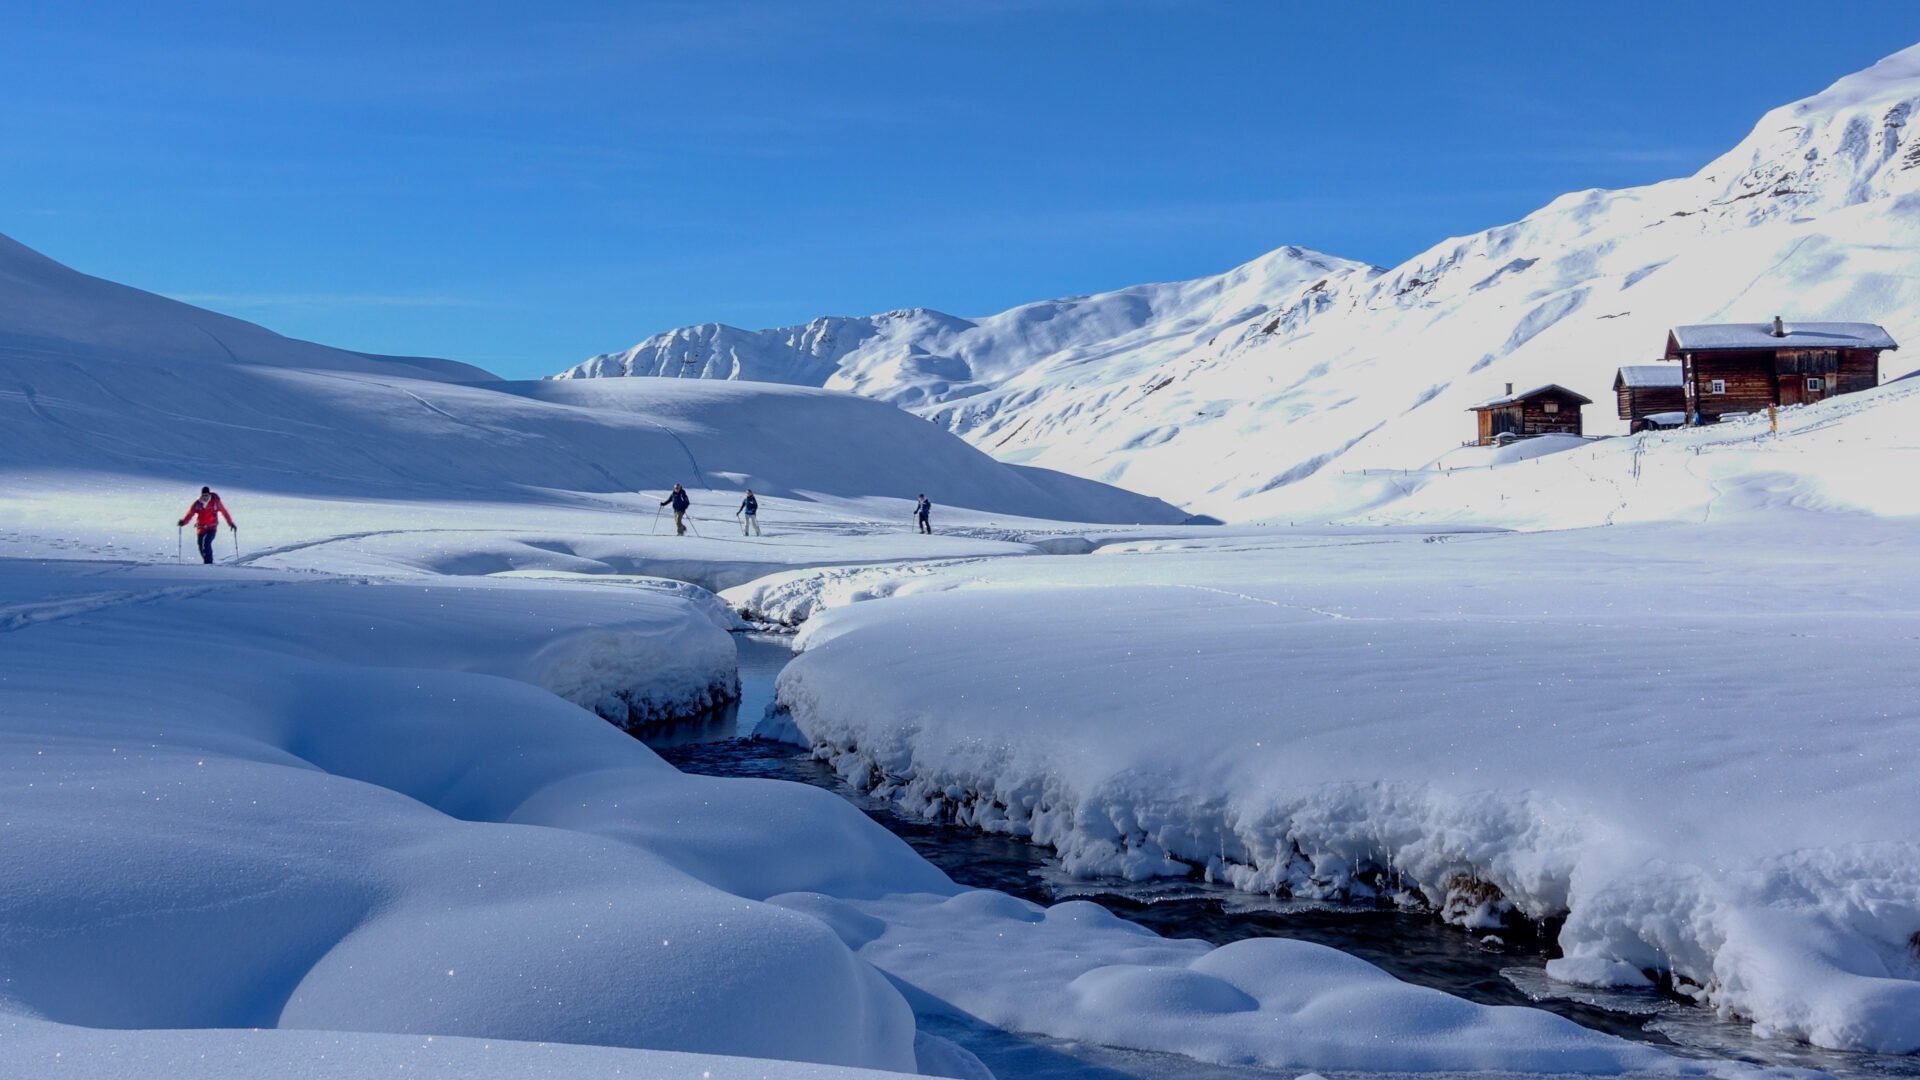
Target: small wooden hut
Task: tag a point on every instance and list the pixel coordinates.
(1650, 395)
(1546, 410)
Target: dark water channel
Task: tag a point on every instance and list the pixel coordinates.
(1504, 970)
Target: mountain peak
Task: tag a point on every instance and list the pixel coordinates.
(922, 357)
(1845, 145)
(1894, 79)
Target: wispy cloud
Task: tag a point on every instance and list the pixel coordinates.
(1600, 153)
(329, 300)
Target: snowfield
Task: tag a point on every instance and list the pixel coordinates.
(1708, 778)
(342, 803)
(319, 803)
(326, 804)
(358, 799)
(1841, 456)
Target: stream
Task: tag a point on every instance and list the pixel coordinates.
(1507, 969)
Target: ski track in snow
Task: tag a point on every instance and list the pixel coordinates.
(15, 617)
(322, 541)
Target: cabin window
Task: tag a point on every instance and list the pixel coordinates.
(1551, 406)
(1717, 386)
(1816, 385)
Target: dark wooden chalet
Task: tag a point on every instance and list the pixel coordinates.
(1745, 367)
(1650, 395)
(1545, 410)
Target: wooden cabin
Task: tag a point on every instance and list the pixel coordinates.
(1545, 410)
(1745, 367)
(1650, 395)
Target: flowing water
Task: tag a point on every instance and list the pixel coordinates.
(1505, 969)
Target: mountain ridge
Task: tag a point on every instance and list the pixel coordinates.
(1352, 366)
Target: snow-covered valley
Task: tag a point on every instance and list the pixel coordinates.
(365, 797)
(313, 800)
(355, 785)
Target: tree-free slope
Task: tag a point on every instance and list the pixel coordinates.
(97, 377)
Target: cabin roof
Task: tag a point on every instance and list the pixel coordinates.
(1800, 335)
(1538, 391)
(1639, 376)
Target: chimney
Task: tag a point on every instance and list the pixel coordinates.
(1509, 389)
(1779, 328)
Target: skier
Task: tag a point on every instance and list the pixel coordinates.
(205, 514)
(749, 514)
(920, 511)
(680, 502)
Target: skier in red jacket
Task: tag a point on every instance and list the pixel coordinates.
(205, 513)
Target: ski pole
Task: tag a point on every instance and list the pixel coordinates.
(656, 520)
(689, 520)
(180, 544)
(236, 541)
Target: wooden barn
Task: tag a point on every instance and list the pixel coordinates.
(1650, 395)
(1745, 367)
(1545, 410)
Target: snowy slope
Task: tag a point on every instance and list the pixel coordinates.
(921, 358)
(58, 317)
(1840, 456)
(99, 377)
(1321, 364)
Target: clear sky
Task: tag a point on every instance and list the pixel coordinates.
(522, 185)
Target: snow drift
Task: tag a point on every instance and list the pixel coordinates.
(1559, 724)
(309, 804)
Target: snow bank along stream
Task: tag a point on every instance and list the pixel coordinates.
(239, 798)
(246, 799)
(1493, 967)
(1711, 782)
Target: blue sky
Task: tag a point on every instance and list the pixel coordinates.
(502, 184)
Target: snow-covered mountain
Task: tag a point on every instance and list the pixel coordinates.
(1212, 392)
(919, 357)
(52, 316)
(100, 378)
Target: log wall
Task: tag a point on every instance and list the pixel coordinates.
(1636, 402)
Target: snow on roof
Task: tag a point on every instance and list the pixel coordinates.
(1512, 399)
(1811, 335)
(1636, 376)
